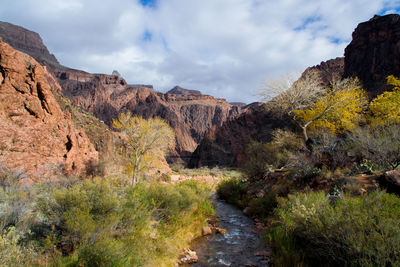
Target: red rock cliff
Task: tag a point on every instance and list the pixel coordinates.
(35, 135)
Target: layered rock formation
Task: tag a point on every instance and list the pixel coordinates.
(374, 52)
(35, 134)
(106, 96)
(188, 111)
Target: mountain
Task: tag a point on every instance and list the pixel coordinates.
(105, 96)
(28, 42)
(36, 135)
(189, 112)
(181, 91)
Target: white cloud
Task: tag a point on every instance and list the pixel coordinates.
(225, 48)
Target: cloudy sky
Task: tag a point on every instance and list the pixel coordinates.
(225, 48)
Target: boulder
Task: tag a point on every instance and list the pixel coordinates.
(206, 230)
(390, 180)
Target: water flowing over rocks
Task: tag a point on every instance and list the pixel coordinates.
(236, 244)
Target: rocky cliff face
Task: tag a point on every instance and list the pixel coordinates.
(226, 145)
(181, 91)
(35, 134)
(28, 42)
(374, 52)
(328, 71)
(106, 96)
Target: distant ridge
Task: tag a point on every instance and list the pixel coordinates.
(28, 42)
(238, 104)
(177, 90)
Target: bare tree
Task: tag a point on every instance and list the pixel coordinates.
(288, 93)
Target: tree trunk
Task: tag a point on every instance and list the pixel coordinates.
(305, 135)
(134, 177)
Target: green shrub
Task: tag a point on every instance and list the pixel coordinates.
(12, 253)
(233, 191)
(262, 207)
(380, 144)
(304, 174)
(100, 222)
(353, 231)
(102, 253)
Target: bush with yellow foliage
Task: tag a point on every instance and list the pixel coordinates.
(146, 141)
(385, 108)
(341, 109)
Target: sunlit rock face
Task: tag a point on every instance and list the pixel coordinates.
(36, 136)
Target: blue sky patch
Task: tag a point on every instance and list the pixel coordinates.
(147, 36)
(307, 22)
(148, 3)
(389, 10)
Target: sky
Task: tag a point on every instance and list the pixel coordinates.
(224, 48)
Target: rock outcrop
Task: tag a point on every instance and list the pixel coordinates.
(35, 134)
(374, 52)
(28, 42)
(226, 145)
(328, 71)
(390, 181)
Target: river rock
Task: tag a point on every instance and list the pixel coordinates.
(246, 211)
(206, 230)
(263, 254)
(220, 230)
(190, 257)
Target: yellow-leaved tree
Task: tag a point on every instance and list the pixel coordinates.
(339, 110)
(146, 140)
(385, 108)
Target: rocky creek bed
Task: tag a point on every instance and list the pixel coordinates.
(241, 246)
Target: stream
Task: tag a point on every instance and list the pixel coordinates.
(240, 247)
